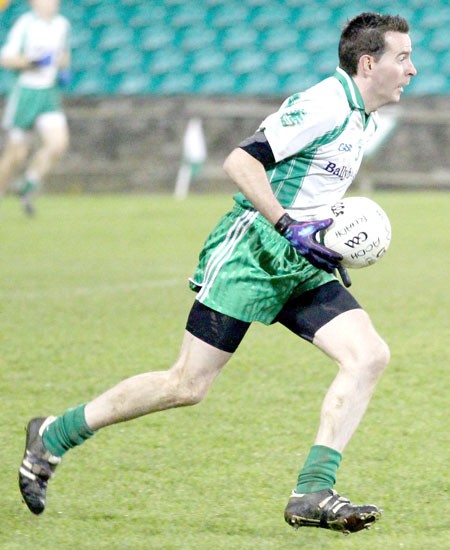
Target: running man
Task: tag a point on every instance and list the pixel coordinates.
(261, 264)
(37, 49)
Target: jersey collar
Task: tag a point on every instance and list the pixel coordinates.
(354, 97)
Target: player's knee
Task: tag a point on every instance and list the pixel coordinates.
(15, 155)
(375, 358)
(367, 359)
(187, 390)
(57, 149)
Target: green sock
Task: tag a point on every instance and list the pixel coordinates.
(67, 431)
(28, 186)
(319, 471)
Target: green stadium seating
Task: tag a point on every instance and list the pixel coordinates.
(125, 60)
(134, 83)
(286, 62)
(187, 14)
(207, 60)
(218, 82)
(279, 38)
(117, 36)
(167, 62)
(228, 14)
(262, 47)
(238, 37)
(155, 38)
(197, 38)
(144, 14)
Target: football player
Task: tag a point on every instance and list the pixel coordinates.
(37, 49)
(261, 264)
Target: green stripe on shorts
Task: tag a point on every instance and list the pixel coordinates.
(248, 271)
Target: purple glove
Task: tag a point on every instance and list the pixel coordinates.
(301, 235)
(43, 61)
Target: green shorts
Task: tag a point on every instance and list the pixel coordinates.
(25, 105)
(248, 271)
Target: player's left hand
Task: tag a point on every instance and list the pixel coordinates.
(44, 61)
(302, 237)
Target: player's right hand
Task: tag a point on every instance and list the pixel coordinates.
(302, 236)
(64, 77)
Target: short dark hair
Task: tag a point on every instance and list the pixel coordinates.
(364, 35)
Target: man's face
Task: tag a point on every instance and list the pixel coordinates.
(394, 69)
(45, 8)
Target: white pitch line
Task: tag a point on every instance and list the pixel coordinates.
(88, 290)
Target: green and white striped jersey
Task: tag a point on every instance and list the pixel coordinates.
(318, 139)
(36, 38)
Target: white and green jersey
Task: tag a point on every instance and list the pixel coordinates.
(318, 139)
(36, 38)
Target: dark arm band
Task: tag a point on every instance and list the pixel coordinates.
(258, 147)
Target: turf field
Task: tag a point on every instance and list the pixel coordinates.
(94, 290)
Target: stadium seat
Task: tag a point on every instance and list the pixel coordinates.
(197, 37)
(176, 83)
(260, 83)
(269, 15)
(279, 38)
(313, 16)
(102, 16)
(133, 3)
(218, 82)
(207, 60)
(433, 17)
(147, 14)
(73, 12)
(187, 14)
(246, 61)
(90, 3)
(321, 39)
(229, 14)
(422, 60)
(430, 83)
(87, 59)
(440, 38)
(81, 38)
(125, 60)
(298, 82)
(443, 62)
(287, 62)
(113, 37)
(238, 37)
(134, 83)
(167, 61)
(156, 38)
(91, 83)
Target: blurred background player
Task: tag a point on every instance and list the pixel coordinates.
(37, 49)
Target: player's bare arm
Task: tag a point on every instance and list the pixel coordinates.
(16, 63)
(250, 176)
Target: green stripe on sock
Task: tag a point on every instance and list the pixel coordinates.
(319, 471)
(28, 187)
(67, 431)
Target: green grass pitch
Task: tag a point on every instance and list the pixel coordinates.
(94, 289)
